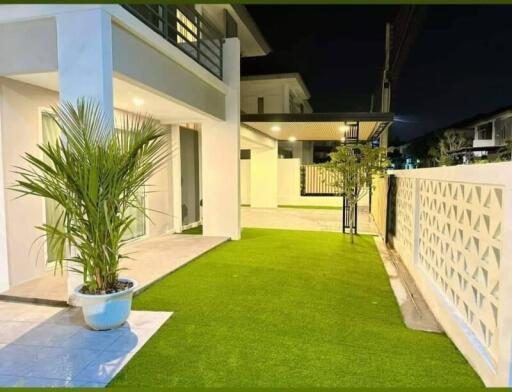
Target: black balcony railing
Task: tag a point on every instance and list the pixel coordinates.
(185, 28)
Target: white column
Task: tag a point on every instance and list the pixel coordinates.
(176, 179)
(264, 177)
(84, 44)
(4, 259)
(220, 148)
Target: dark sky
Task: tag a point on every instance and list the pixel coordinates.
(460, 63)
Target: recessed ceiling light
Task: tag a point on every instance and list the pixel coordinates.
(292, 138)
(138, 101)
(275, 128)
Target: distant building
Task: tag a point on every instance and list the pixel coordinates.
(284, 93)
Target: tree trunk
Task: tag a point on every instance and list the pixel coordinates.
(351, 221)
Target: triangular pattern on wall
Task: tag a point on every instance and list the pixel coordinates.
(459, 248)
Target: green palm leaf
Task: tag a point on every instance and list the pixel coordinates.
(94, 174)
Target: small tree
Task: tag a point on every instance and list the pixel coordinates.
(505, 152)
(450, 142)
(354, 166)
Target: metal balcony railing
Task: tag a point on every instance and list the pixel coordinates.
(185, 28)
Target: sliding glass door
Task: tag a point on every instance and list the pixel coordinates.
(52, 211)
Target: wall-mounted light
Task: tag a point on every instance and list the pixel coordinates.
(344, 128)
(275, 128)
(292, 139)
(138, 101)
(342, 139)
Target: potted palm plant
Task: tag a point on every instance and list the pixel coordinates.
(93, 173)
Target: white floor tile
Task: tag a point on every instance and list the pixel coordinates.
(103, 368)
(94, 340)
(56, 349)
(16, 360)
(13, 330)
(139, 319)
(61, 363)
(46, 335)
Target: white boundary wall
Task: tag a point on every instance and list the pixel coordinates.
(453, 231)
(288, 186)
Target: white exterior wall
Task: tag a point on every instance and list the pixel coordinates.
(245, 181)
(20, 124)
(21, 106)
(275, 93)
(264, 178)
(485, 142)
(273, 97)
(452, 230)
(288, 186)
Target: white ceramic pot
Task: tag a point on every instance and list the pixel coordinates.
(106, 311)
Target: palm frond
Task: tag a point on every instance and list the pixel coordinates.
(94, 173)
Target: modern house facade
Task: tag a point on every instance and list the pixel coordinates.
(178, 64)
(283, 140)
(493, 129)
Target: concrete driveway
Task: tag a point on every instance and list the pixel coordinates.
(303, 219)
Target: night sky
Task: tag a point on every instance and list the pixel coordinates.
(459, 65)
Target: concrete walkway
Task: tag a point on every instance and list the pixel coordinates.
(151, 260)
(415, 311)
(44, 346)
(303, 219)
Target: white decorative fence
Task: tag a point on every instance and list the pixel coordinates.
(452, 228)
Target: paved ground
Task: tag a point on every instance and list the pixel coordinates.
(303, 219)
(151, 260)
(415, 311)
(43, 346)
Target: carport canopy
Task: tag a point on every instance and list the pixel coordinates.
(319, 126)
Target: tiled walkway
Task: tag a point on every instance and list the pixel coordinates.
(151, 259)
(303, 219)
(42, 346)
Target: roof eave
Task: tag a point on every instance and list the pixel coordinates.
(249, 22)
(317, 117)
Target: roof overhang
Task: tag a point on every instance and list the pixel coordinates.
(317, 126)
(293, 78)
(252, 27)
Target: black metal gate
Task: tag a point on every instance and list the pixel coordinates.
(351, 137)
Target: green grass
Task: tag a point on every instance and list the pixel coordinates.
(288, 309)
(194, 230)
(310, 207)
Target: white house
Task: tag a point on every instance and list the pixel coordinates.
(492, 129)
(282, 139)
(178, 63)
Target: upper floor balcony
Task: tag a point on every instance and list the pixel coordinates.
(186, 29)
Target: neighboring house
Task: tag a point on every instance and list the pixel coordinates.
(179, 64)
(491, 131)
(486, 133)
(279, 93)
(282, 140)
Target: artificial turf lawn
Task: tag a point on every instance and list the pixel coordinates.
(194, 230)
(288, 309)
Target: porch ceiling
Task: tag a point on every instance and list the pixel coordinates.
(129, 97)
(317, 126)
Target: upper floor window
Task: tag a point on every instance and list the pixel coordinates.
(503, 129)
(231, 26)
(261, 105)
(186, 26)
(484, 131)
